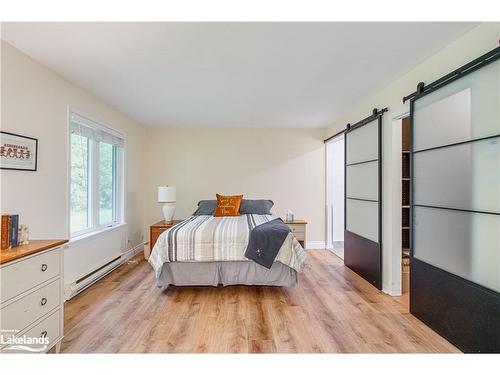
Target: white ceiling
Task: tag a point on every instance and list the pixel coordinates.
(232, 74)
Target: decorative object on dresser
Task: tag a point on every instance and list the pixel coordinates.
(158, 228)
(298, 228)
(24, 234)
(9, 231)
(31, 298)
(167, 195)
(5, 232)
(18, 152)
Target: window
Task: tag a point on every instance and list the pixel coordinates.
(96, 171)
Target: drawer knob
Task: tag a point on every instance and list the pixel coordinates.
(44, 334)
(44, 267)
(43, 301)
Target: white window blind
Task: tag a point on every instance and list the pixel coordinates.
(87, 128)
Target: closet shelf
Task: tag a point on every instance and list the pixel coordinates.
(405, 205)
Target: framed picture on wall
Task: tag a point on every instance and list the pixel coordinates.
(18, 152)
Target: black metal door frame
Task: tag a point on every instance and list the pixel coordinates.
(465, 313)
(362, 255)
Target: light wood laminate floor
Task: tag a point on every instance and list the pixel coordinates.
(331, 310)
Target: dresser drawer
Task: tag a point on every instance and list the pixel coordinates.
(50, 327)
(155, 233)
(25, 311)
(20, 276)
(296, 228)
(300, 236)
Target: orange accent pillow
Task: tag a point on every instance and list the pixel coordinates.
(228, 205)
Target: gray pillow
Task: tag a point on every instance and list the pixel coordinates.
(206, 207)
(256, 206)
(248, 206)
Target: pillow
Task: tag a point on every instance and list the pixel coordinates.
(256, 206)
(228, 205)
(206, 207)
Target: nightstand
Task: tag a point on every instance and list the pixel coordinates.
(158, 228)
(298, 228)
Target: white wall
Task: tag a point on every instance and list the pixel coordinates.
(91, 253)
(35, 103)
(285, 165)
(478, 41)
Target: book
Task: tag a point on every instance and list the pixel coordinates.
(5, 231)
(14, 230)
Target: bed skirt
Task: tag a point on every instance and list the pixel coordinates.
(225, 273)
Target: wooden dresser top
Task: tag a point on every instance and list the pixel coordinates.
(297, 221)
(35, 246)
(163, 224)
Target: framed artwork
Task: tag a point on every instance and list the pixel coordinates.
(18, 152)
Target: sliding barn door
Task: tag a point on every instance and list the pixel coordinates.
(363, 198)
(455, 249)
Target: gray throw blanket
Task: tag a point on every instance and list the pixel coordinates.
(265, 242)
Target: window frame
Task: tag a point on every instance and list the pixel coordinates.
(94, 226)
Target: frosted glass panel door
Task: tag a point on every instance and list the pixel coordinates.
(455, 236)
(456, 173)
(362, 248)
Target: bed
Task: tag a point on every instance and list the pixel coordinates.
(206, 250)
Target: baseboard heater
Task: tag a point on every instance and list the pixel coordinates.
(87, 280)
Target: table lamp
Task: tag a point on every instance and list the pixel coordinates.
(166, 194)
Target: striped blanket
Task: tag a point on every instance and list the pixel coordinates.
(206, 238)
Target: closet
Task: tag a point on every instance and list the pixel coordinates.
(405, 205)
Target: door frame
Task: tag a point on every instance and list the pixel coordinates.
(395, 283)
(336, 137)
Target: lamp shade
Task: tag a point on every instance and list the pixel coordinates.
(166, 194)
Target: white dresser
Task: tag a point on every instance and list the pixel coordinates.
(31, 297)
